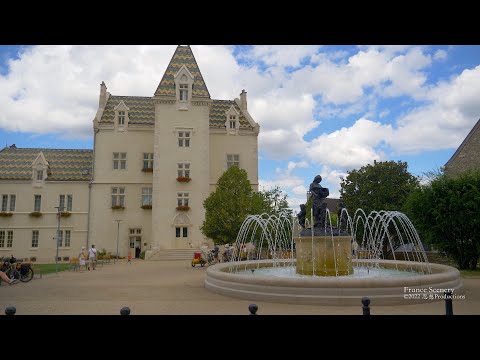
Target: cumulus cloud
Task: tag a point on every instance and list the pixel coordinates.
(440, 55)
(350, 147)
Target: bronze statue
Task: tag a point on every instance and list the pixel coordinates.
(301, 215)
(318, 194)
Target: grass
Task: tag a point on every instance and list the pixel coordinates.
(470, 273)
(50, 268)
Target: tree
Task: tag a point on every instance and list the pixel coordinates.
(227, 207)
(446, 214)
(381, 186)
(275, 201)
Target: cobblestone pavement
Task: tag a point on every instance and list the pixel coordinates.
(174, 287)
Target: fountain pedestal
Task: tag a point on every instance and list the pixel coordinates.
(324, 255)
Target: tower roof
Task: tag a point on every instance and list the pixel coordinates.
(183, 56)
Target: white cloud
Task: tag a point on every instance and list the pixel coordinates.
(287, 55)
(350, 147)
(292, 165)
(440, 55)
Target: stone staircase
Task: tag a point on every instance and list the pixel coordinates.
(171, 254)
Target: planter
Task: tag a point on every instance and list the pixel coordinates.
(66, 214)
(35, 214)
(118, 207)
(146, 207)
(5, 214)
(147, 170)
(183, 179)
(183, 208)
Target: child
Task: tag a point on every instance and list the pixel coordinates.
(129, 257)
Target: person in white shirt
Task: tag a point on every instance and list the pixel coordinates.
(92, 257)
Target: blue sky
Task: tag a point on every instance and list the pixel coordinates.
(322, 109)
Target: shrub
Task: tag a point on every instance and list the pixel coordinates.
(142, 255)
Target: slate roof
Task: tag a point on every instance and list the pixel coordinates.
(65, 164)
(142, 110)
(183, 56)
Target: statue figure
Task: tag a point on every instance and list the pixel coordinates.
(301, 215)
(318, 194)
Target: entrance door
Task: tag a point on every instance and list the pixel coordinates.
(138, 246)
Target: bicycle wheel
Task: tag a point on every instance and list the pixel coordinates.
(13, 274)
(28, 276)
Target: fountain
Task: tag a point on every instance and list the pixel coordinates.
(296, 260)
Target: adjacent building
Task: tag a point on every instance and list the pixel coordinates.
(467, 156)
(155, 160)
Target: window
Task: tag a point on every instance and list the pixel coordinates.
(233, 121)
(9, 239)
(13, 200)
(37, 205)
(35, 234)
(39, 174)
(61, 202)
(67, 238)
(4, 202)
(183, 170)
(184, 138)
(69, 202)
(118, 196)
(9, 235)
(147, 196)
(233, 160)
(181, 231)
(135, 236)
(119, 161)
(121, 118)
(148, 160)
(183, 92)
(182, 199)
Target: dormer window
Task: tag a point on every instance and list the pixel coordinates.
(121, 115)
(121, 118)
(39, 174)
(233, 122)
(183, 92)
(40, 169)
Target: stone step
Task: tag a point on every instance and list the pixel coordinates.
(174, 254)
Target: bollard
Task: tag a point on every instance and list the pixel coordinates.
(253, 309)
(366, 305)
(448, 303)
(10, 310)
(125, 311)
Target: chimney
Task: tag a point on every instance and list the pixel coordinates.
(13, 146)
(103, 95)
(243, 100)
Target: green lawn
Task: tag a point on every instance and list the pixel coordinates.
(470, 273)
(50, 268)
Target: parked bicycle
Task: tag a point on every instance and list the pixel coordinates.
(17, 270)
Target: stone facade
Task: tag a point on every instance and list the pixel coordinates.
(467, 156)
(155, 160)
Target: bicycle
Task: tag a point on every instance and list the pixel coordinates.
(10, 269)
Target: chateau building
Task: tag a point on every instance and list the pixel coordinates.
(155, 160)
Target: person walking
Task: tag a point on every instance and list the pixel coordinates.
(82, 257)
(92, 257)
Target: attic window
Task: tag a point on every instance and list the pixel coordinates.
(121, 118)
(183, 92)
(39, 174)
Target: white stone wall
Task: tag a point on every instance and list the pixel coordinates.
(22, 224)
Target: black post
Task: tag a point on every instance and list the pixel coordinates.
(253, 309)
(10, 310)
(366, 306)
(125, 311)
(448, 303)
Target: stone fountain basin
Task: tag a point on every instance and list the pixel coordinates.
(334, 291)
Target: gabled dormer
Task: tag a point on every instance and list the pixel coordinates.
(121, 116)
(232, 123)
(183, 87)
(40, 168)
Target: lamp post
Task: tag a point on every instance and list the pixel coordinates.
(59, 214)
(118, 232)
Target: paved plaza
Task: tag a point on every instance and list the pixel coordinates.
(175, 288)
